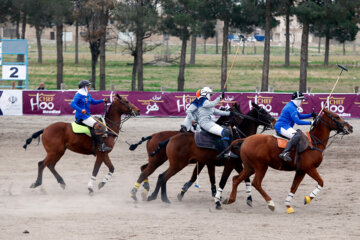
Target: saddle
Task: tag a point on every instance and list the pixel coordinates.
(79, 127)
(204, 139)
(304, 143)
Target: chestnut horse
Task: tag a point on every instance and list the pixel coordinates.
(155, 143)
(258, 152)
(182, 150)
(256, 117)
(59, 136)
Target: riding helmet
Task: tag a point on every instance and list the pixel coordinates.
(84, 83)
(298, 96)
(206, 92)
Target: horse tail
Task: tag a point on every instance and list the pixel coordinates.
(134, 146)
(35, 135)
(236, 144)
(161, 145)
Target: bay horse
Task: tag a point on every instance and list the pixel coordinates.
(59, 136)
(259, 152)
(155, 143)
(182, 150)
(256, 117)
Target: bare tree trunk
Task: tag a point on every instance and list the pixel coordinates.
(102, 62)
(38, 42)
(287, 41)
(304, 57)
(217, 42)
(181, 78)
(265, 72)
(77, 43)
(319, 45)
(134, 71)
(327, 46)
(94, 48)
(224, 55)
(21, 57)
(140, 63)
(193, 49)
(204, 46)
(344, 51)
(59, 51)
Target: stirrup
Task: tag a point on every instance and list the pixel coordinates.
(104, 148)
(285, 156)
(230, 154)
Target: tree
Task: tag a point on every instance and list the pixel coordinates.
(179, 19)
(139, 17)
(307, 12)
(38, 17)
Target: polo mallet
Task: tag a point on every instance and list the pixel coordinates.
(328, 98)
(232, 65)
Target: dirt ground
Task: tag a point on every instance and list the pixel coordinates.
(49, 212)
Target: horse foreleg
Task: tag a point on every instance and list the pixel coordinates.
(153, 196)
(187, 185)
(316, 176)
(98, 162)
(49, 159)
(245, 173)
(38, 181)
(211, 172)
(229, 166)
(108, 176)
(299, 176)
(259, 176)
(59, 179)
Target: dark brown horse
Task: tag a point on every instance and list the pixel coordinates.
(259, 152)
(182, 150)
(59, 136)
(252, 120)
(154, 144)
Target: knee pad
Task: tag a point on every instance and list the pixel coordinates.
(226, 134)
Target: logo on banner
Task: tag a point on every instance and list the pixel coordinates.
(44, 103)
(12, 99)
(184, 102)
(264, 102)
(228, 100)
(151, 104)
(335, 104)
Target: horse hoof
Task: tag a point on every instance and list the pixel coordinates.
(218, 205)
(63, 186)
(230, 201)
(91, 191)
(271, 205)
(180, 197)
(289, 210)
(151, 198)
(165, 200)
(249, 201)
(307, 200)
(101, 185)
(33, 185)
(133, 197)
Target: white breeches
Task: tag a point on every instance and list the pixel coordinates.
(216, 129)
(289, 133)
(89, 121)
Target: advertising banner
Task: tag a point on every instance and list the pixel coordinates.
(11, 102)
(174, 104)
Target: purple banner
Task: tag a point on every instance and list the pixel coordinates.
(174, 104)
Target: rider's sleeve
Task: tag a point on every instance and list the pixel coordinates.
(74, 103)
(210, 104)
(304, 116)
(93, 101)
(295, 117)
(221, 113)
(190, 112)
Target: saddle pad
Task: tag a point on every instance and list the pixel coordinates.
(282, 142)
(77, 128)
(204, 139)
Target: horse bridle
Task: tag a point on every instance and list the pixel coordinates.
(340, 129)
(121, 121)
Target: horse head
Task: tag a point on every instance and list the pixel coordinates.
(333, 122)
(262, 116)
(123, 106)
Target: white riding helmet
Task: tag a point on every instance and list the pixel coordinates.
(206, 92)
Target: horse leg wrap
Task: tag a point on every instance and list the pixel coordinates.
(146, 184)
(137, 185)
(107, 178)
(248, 188)
(288, 199)
(316, 191)
(218, 195)
(186, 186)
(91, 184)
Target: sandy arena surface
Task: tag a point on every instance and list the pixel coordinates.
(49, 212)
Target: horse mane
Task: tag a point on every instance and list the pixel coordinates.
(118, 97)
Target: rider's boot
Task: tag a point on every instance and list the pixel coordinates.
(226, 141)
(285, 155)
